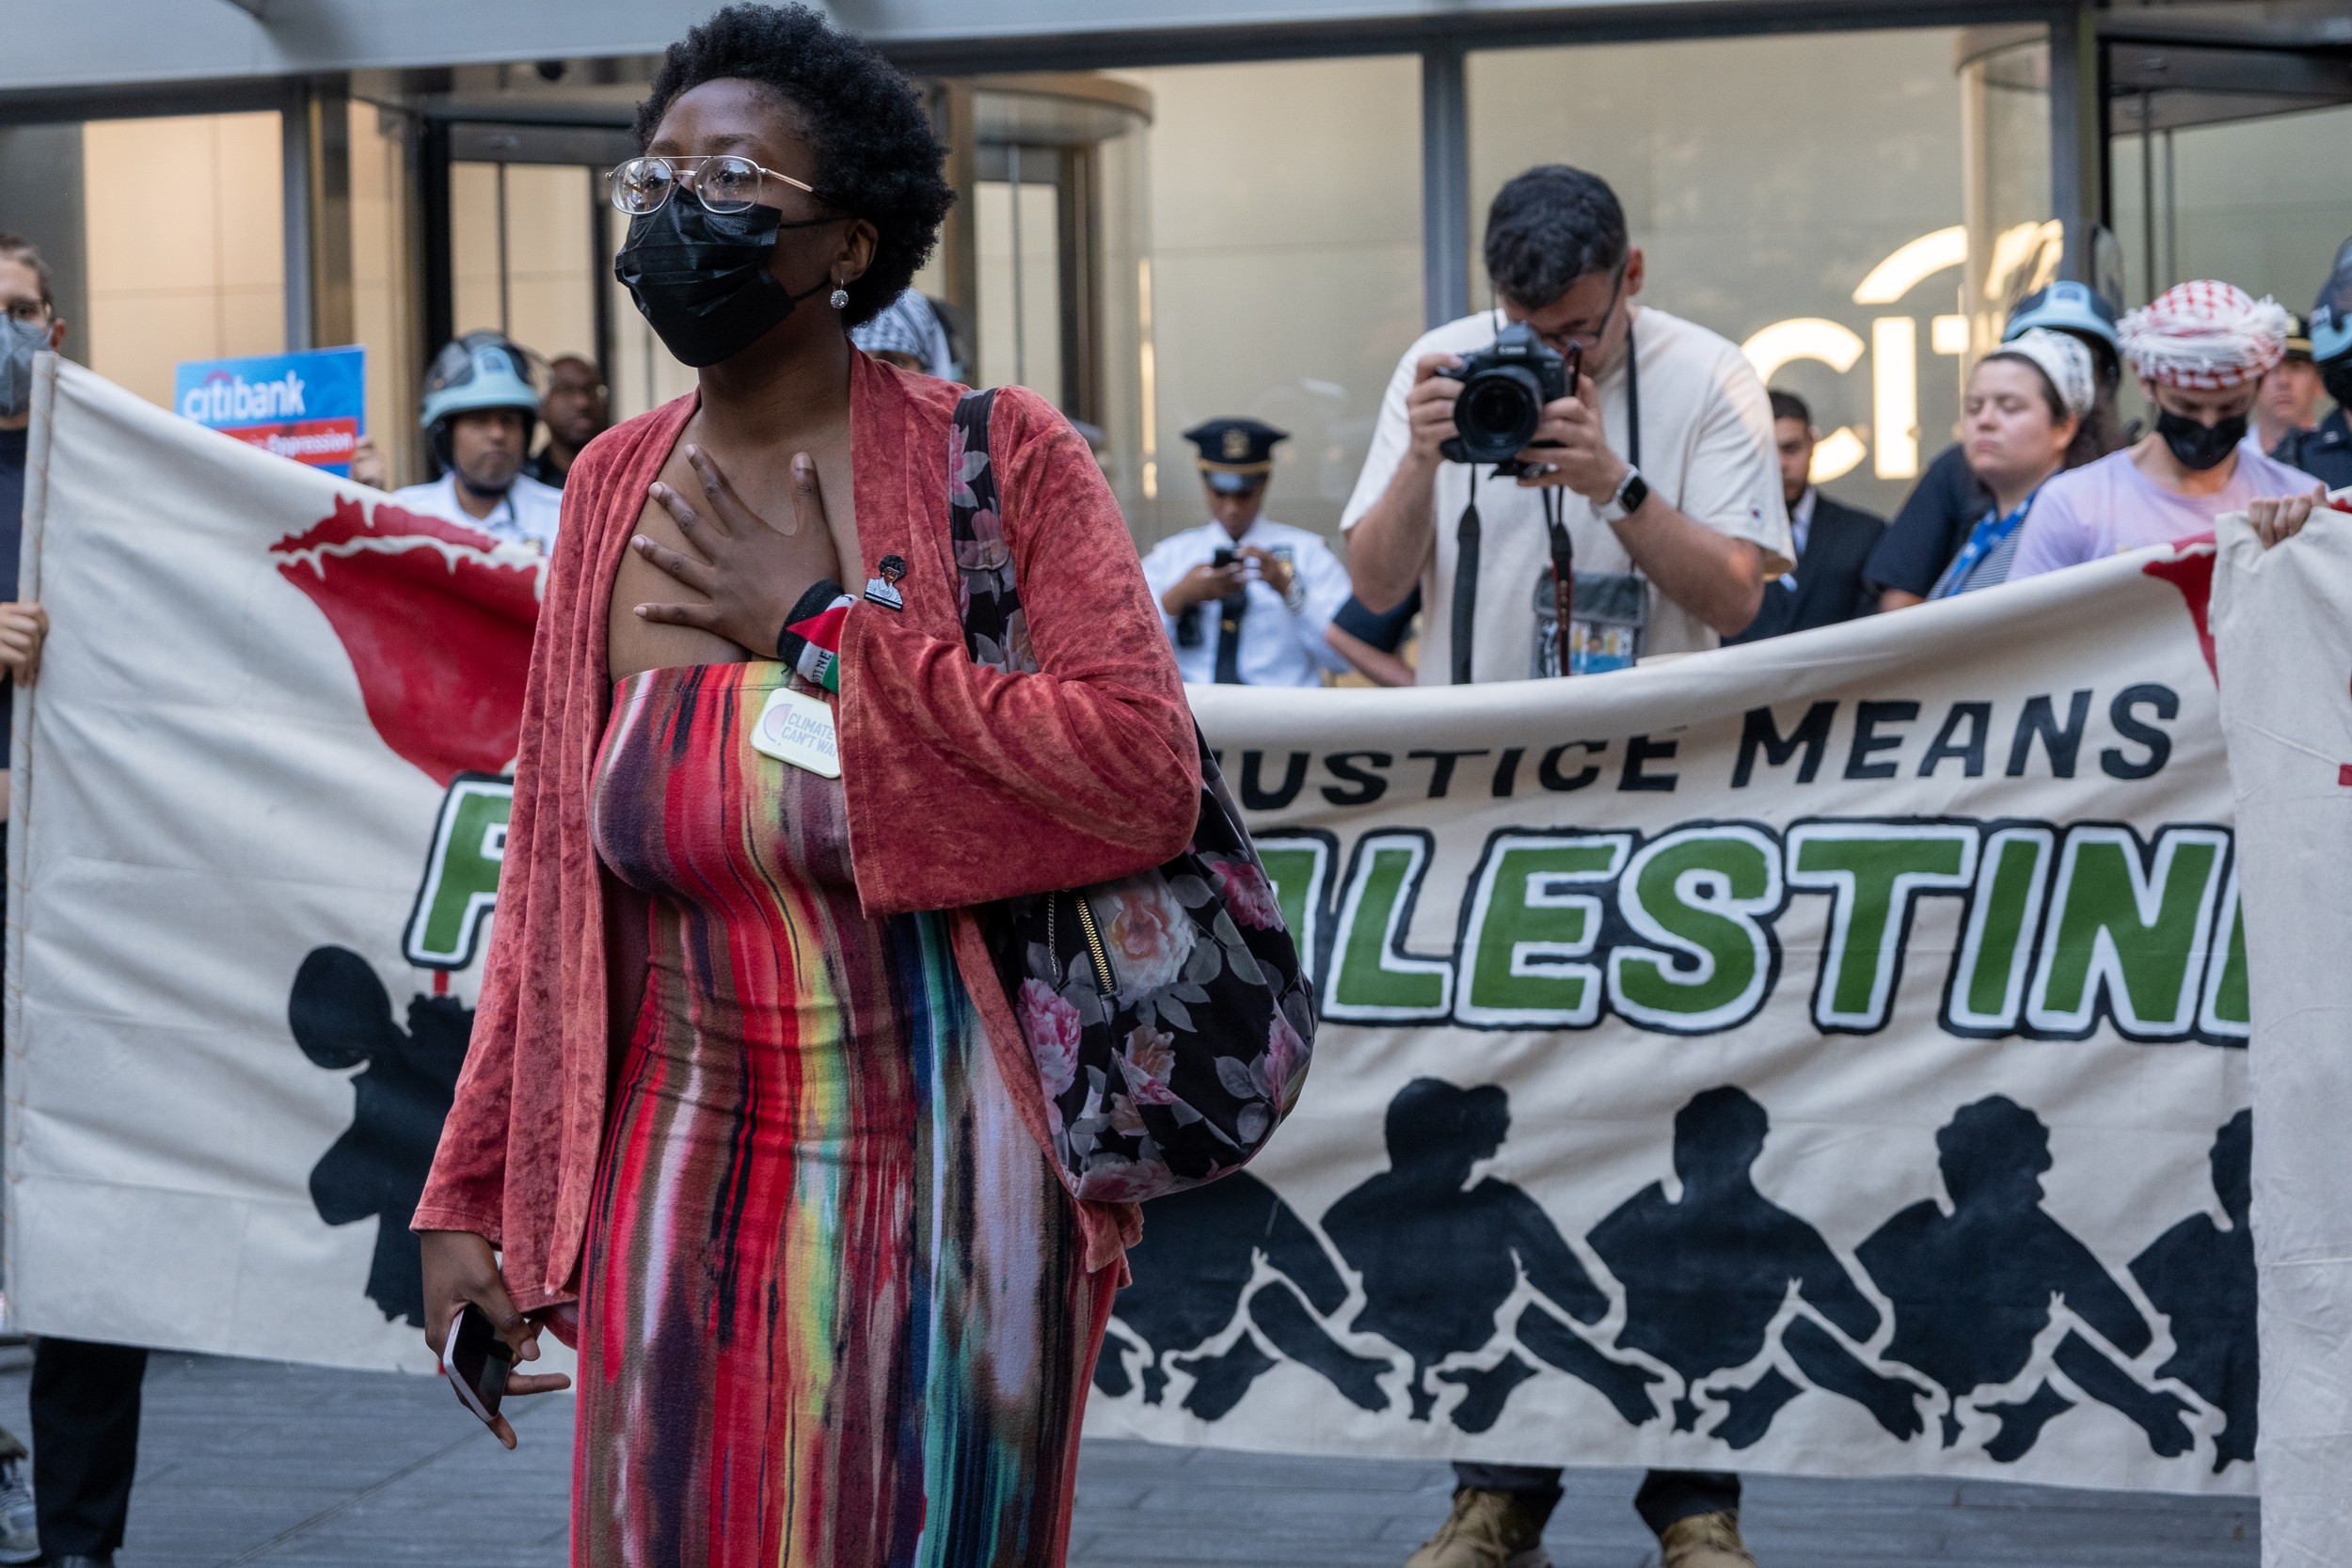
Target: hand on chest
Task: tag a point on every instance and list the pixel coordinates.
(724, 545)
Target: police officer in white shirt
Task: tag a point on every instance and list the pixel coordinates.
(480, 408)
(1244, 599)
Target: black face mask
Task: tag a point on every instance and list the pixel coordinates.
(701, 278)
(2200, 446)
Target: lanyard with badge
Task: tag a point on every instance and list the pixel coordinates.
(1987, 536)
(1609, 631)
(1601, 621)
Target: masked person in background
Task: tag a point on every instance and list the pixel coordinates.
(2326, 454)
(2200, 350)
(909, 335)
(1679, 536)
(479, 411)
(1942, 510)
(576, 411)
(85, 1395)
(2025, 418)
(1267, 591)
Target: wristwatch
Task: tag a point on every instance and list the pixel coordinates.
(1632, 491)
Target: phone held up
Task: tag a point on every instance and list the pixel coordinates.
(477, 1363)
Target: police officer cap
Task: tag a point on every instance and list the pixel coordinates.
(2299, 338)
(1235, 454)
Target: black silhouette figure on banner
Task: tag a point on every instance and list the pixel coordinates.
(1191, 1268)
(342, 1016)
(1705, 1274)
(1972, 1289)
(2201, 1278)
(1438, 1259)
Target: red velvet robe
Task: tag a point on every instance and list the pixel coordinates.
(963, 785)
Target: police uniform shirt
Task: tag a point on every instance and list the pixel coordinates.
(1278, 648)
(2325, 453)
(1706, 451)
(527, 513)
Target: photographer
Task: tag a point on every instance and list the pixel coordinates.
(1658, 461)
(1664, 477)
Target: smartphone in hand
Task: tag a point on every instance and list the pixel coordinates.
(477, 1363)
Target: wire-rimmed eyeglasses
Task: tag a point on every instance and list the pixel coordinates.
(723, 183)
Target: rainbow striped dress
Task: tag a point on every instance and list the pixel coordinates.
(833, 1311)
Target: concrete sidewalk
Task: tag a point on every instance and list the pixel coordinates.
(254, 1462)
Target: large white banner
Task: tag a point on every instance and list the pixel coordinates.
(2284, 638)
(1821, 1056)
(259, 801)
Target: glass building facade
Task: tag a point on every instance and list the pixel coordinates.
(1156, 234)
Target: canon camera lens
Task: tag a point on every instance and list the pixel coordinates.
(1505, 388)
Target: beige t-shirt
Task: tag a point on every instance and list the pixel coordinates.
(1707, 449)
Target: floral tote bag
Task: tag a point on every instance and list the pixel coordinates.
(1167, 1012)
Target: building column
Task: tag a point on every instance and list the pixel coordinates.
(1444, 185)
(40, 201)
(2078, 146)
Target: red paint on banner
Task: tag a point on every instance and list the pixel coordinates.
(438, 631)
(2190, 570)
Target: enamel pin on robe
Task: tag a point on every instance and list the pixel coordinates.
(883, 590)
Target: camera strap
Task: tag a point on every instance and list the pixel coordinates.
(1466, 535)
(1632, 398)
(1563, 573)
(1465, 583)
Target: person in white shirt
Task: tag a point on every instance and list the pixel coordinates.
(480, 408)
(1662, 459)
(1662, 466)
(1259, 618)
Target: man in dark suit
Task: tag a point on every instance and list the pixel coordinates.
(1833, 541)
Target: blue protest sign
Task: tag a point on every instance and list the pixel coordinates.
(311, 406)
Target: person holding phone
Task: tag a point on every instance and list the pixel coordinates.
(1246, 600)
(747, 1110)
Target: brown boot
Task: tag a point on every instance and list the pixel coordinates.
(1705, 1541)
(1487, 1530)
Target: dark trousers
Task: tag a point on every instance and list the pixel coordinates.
(85, 1443)
(1665, 1495)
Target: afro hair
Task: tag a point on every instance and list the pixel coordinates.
(865, 121)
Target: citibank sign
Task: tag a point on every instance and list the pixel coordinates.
(2023, 259)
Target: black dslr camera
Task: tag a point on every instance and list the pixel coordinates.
(1504, 388)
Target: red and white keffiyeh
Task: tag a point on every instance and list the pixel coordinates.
(2207, 335)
